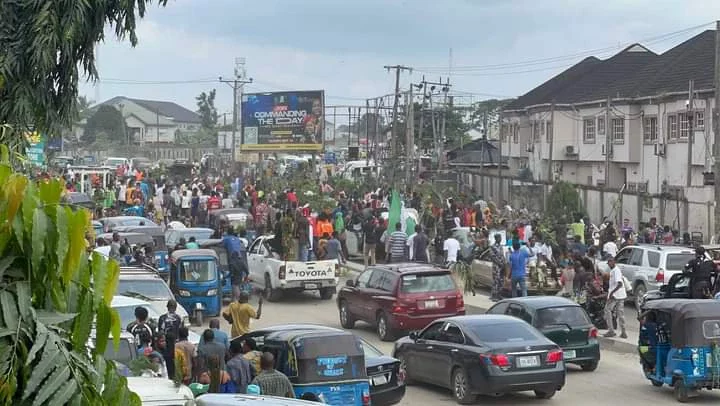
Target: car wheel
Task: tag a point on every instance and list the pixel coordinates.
(639, 291)
(656, 384)
(384, 331)
(589, 366)
(346, 319)
(327, 293)
(461, 388)
(681, 391)
(271, 295)
(403, 367)
(541, 394)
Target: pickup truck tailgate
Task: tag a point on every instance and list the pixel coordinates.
(305, 271)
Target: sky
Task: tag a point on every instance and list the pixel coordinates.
(488, 48)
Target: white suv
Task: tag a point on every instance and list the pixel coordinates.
(648, 267)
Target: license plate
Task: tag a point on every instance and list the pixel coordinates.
(432, 304)
(528, 362)
(569, 354)
(379, 380)
(311, 286)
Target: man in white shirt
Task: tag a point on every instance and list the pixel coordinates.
(616, 300)
(411, 251)
(451, 247)
(610, 249)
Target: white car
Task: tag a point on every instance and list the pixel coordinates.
(150, 287)
(125, 306)
(160, 391)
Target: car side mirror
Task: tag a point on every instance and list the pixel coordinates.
(663, 288)
(350, 283)
(413, 335)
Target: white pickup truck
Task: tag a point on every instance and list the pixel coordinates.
(276, 276)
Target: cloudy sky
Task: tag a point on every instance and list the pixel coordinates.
(499, 47)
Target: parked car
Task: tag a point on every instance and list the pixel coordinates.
(109, 223)
(647, 267)
(387, 378)
(160, 391)
(561, 320)
(228, 399)
(125, 306)
(150, 287)
(483, 355)
(172, 237)
(79, 199)
(399, 297)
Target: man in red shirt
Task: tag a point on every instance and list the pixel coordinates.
(292, 198)
(214, 202)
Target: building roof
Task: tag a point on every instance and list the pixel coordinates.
(631, 73)
(476, 152)
(167, 109)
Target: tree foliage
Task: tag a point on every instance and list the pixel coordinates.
(486, 114)
(51, 294)
(46, 47)
(206, 109)
(564, 204)
(455, 127)
(106, 125)
(370, 124)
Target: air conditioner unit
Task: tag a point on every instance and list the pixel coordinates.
(660, 149)
(570, 150)
(530, 147)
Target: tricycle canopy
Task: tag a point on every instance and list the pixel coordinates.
(693, 322)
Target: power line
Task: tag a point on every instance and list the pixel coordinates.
(647, 41)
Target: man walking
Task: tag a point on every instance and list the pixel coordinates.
(518, 262)
(371, 239)
(212, 350)
(498, 260)
(419, 245)
(188, 349)
(239, 314)
(240, 369)
(169, 324)
(221, 337)
(396, 244)
(271, 381)
(616, 300)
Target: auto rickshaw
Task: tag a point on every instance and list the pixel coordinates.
(160, 249)
(219, 248)
(236, 218)
(196, 282)
(678, 344)
(327, 363)
(133, 239)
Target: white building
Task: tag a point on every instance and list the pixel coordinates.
(149, 121)
(624, 121)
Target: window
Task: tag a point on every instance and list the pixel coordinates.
(505, 332)
(650, 129)
(516, 133)
(654, 259)
(699, 120)
(684, 125)
(711, 329)
(637, 257)
(535, 129)
(589, 130)
(573, 316)
(499, 308)
(432, 332)
(618, 130)
(541, 126)
(453, 334)
(677, 262)
(362, 280)
(423, 283)
(601, 126)
(519, 311)
(548, 131)
(503, 132)
(376, 280)
(672, 130)
(152, 288)
(198, 271)
(623, 257)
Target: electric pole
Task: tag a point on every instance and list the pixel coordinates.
(409, 140)
(436, 127)
(716, 130)
(394, 146)
(237, 85)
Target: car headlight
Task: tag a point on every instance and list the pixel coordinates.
(212, 292)
(184, 293)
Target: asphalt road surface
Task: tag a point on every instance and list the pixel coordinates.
(617, 381)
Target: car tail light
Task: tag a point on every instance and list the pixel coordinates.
(660, 276)
(401, 375)
(500, 360)
(554, 357)
(460, 300)
(366, 398)
(281, 272)
(337, 270)
(399, 308)
(593, 333)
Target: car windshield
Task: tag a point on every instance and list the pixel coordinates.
(123, 355)
(677, 262)
(198, 234)
(198, 271)
(154, 289)
(503, 333)
(572, 316)
(423, 283)
(134, 222)
(115, 162)
(127, 314)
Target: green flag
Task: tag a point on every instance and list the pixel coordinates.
(409, 225)
(394, 213)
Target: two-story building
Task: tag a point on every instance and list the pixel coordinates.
(149, 121)
(626, 123)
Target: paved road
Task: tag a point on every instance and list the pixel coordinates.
(618, 380)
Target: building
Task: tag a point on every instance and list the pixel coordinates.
(150, 121)
(622, 129)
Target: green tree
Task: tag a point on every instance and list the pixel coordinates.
(455, 127)
(371, 124)
(106, 124)
(564, 204)
(206, 109)
(52, 294)
(486, 114)
(46, 47)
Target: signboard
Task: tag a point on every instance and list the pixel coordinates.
(36, 148)
(282, 121)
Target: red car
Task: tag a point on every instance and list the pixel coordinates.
(399, 298)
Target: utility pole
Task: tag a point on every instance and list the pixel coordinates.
(551, 143)
(691, 138)
(436, 127)
(716, 130)
(395, 135)
(410, 140)
(367, 131)
(237, 85)
(508, 133)
(608, 143)
(157, 132)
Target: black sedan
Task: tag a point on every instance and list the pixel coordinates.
(483, 355)
(387, 377)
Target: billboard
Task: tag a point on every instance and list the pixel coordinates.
(283, 121)
(35, 150)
